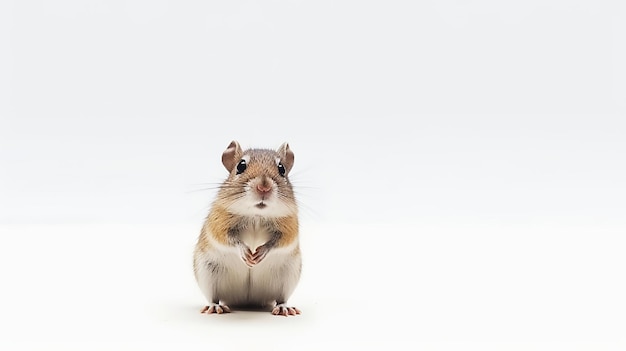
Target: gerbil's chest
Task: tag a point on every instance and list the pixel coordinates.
(254, 235)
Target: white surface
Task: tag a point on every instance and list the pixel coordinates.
(461, 168)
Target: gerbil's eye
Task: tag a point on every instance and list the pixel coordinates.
(241, 166)
(281, 169)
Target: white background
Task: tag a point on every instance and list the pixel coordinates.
(461, 169)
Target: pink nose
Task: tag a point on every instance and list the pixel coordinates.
(263, 189)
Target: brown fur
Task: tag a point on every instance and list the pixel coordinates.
(238, 222)
(219, 220)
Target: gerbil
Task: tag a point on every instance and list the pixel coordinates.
(248, 252)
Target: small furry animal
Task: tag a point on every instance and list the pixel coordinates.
(248, 252)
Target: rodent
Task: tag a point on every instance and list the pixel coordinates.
(248, 251)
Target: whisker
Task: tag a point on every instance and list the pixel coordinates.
(304, 187)
(198, 190)
(235, 196)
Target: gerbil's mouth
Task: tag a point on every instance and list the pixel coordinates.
(260, 205)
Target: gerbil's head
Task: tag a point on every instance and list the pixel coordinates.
(258, 184)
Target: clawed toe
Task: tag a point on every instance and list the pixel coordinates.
(215, 308)
(282, 310)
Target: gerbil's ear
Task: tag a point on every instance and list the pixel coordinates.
(286, 156)
(231, 155)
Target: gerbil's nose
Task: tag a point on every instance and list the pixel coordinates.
(263, 188)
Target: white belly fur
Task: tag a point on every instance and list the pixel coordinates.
(254, 237)
(275, 277)
(271, 279)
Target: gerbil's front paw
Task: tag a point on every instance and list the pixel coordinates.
(260, 253)
(282, 310)
(215, 308)
(251, 259)
(247, 256)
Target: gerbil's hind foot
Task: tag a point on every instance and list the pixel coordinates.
(282, 310)
(215, 308)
